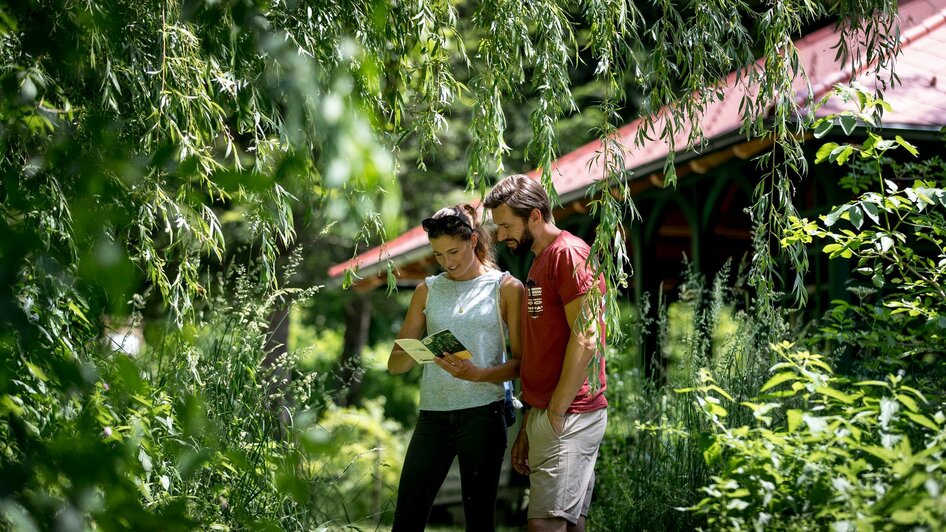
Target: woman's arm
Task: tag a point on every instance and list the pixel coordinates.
(414, 326)
(510, 300)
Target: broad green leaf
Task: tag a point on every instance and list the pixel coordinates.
(908, 402)
(713, 452)
(822, 127)
(825, 151)
(834, 215)
(844, 155)
(848, 123)
(919, 395)
(836, 152)
(905, 517)
(11, 404)
(79, 314)
(887, 455)
(36, 371)
(819, 364)
(779, 378)
(716, 410)
(857, 217)
(871, 210)
(909, 147)
(718, 390)
(920, 419)
(836, 394)
(794, 420)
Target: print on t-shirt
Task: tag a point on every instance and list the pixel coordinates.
(535, 299)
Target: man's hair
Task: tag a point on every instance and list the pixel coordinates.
(521, 194)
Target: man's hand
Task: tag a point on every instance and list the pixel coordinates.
(520, 452)
(458, 367)
(557, 421)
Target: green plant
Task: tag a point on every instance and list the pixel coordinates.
(823, 452)
(651, 460)
(361, 466)
(896, 235)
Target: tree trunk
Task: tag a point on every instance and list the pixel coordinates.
(276, 373)
(349, 370)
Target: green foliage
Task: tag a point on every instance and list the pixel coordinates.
(140, 141)
(322, 348)
(652, 458)
(361, 466)
(895, 236)
(825, 453)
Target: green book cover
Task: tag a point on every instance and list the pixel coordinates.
(434, 345)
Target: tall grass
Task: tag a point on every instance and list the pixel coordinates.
(651, 461)
(249, 440)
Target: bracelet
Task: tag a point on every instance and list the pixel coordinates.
(556, 414)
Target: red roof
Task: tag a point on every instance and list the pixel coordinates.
(919, 101)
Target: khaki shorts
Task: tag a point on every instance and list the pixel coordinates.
(563, 467)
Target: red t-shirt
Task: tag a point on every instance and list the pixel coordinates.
(558, 275)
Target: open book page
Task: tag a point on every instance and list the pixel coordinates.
(434, 345)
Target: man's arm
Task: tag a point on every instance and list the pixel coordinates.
(582, 344)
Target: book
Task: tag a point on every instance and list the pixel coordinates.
(433, 346)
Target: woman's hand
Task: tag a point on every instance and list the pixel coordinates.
(459, 367)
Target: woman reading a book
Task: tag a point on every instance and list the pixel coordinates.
(461, 397)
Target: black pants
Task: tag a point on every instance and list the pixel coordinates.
(477, 436)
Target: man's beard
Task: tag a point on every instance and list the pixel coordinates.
(523, 243)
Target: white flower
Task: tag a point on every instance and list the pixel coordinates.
(737, 504)
(888, 407)
(761, 520)
(932, 487)
(841, 484)
(889, 440)
(816, 424)
(843, 526)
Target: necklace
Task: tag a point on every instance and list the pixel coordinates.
(460, 303)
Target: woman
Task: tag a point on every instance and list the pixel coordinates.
(461, 400)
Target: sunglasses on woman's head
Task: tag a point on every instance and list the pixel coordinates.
(445, 225)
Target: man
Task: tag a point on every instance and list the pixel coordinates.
(557, 445)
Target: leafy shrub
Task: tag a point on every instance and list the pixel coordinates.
(895, 232)
(234, 450)
(360, 465)
(318, 351)
(824, 452)
(196, 432)
(651, 459)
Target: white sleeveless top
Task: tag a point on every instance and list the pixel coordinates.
(471, 310)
